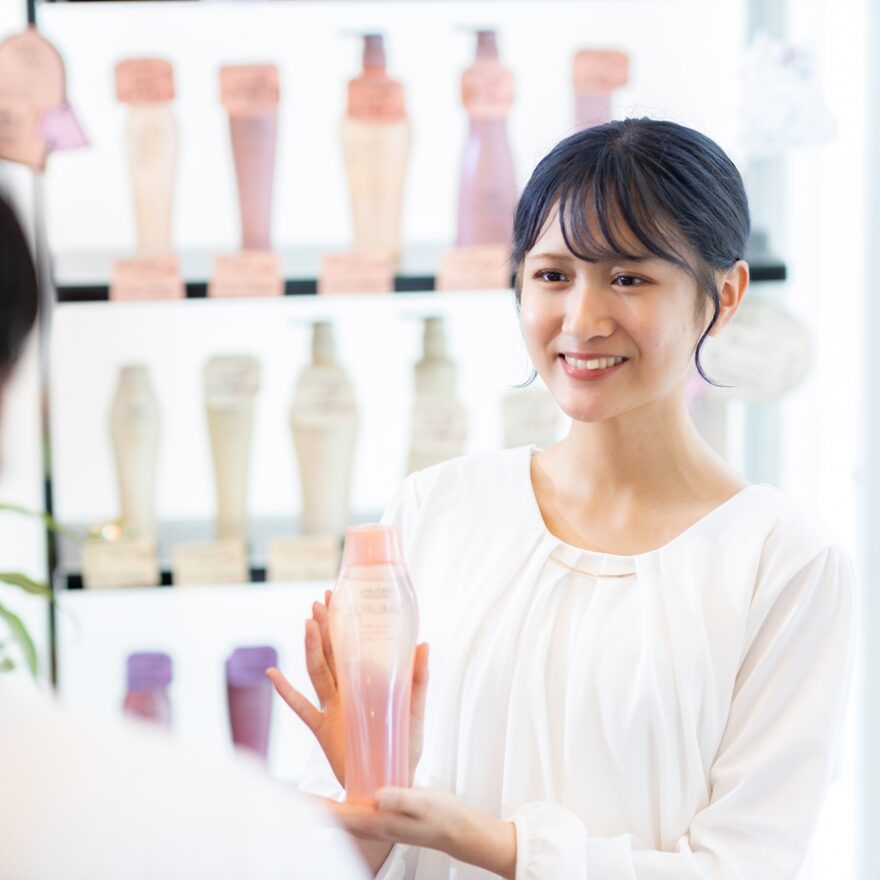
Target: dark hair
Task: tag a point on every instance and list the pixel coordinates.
(18, 289)
(674, 188)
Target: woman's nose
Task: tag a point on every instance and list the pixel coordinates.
(588, 312)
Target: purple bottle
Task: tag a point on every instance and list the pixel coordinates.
(149, 675)
(487, 192)
(249, 694)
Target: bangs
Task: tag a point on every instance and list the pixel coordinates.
(607, 212)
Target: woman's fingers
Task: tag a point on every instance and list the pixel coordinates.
(309, 714)
(316, 664)
(322, 617)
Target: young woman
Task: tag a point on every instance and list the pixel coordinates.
(639, 659)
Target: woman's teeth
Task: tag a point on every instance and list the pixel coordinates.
(593, 363)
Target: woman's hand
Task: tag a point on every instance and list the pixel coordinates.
(326, 722)
(435, 819)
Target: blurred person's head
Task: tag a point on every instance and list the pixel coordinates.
(18, 292)
(629, 241)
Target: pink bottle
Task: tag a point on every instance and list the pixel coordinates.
(597, 73)
(373, 629)
(487, 192)
(149, 675)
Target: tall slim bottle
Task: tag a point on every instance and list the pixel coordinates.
(323, 420)
(231, 384)
(597, 73)
(250, 94)
(375, 145)
(249, 698)
(147, 86)
(487, 190)
(134, 424)
(373, 630)
(439, 424)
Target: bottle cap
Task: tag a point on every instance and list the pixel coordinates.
(247, 666)
(374, 51)
(487, 44)
(148, 671)
(372, 545)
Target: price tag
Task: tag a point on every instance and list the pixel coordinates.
(147, 278)
(599, 71)
(363, 271)
(211, 562)
(487, 89)
(144, 81)
(128, 562)
(250, 89)
(248, 273)
(484, 267)
(375, 97)
(306, 558)
(764, 352)
(31, 82)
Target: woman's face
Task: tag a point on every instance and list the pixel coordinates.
(574, 314)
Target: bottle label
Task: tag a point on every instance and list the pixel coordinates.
(245, 274)
(147, 278)
(231, 380)
(375, 612)
(144, 81)
(597, 72)
(249, 90)
(323, 393)
(362, 271)
(376, 98)
(487, 89)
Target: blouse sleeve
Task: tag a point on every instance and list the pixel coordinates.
(773, 765)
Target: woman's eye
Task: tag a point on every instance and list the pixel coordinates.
(551, 276)
(629, 280)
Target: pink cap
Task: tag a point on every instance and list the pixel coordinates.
(372, 545)
(487, 44)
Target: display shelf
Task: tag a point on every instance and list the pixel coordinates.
(84, 276)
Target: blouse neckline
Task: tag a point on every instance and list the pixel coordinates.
(613, 563)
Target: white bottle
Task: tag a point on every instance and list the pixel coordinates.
(530, 416)
(323, 420)
(134, 424)
(439, 421)
(231, 384)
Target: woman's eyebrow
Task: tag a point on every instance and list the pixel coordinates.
(614, 257)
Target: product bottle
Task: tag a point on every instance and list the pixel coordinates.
(530, 416)
(249, 697)
(487, 191)
(134, 425)
(375, 145)
(231, 384)
(149, 675)
(373, 630)
(250, 94)
(147, 86)
(597, 73)
(439, 426)
(323, 419)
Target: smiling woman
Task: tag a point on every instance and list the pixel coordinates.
(639, 659)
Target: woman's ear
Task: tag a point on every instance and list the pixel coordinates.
(732, 285)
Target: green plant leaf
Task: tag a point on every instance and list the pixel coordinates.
(23, 582)
(6, 664)
(49, 521)
(22, 636)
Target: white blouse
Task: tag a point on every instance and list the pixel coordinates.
(665, 716)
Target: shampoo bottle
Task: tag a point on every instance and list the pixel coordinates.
(597, 73)
(373, 630)
(147, 86)
(323, 420)
(375, 145)
(134, 424)
(149, 675)
(439, 425)
(249, 698)
(231, 384)
(250, 94)
(487, 191)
